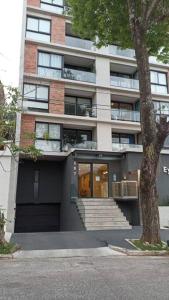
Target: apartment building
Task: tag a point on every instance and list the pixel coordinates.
(81, 108)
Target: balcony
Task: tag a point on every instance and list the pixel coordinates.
(78, 75)
(81, 110)
(79, 43)
(86, 145)
(48, 145)
(125, 115)
(124, 82)
(115, 50)
(125, 190)
(116, 147)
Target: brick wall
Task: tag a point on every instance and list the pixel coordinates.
(58, 30)
(27, 130)
(30, 64)
(56, 98)
(33, 3)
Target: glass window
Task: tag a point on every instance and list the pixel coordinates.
(32, 24)
(42, 92)
(70, 105)
(41, 130)
(44, 59)
(162, 78)
(58, 2)
(115, 138)
(154, 78)
(44, 26)
(54, 131)
(29, 91)
(83, 106)
(56, 61)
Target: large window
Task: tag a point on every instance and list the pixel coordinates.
(48, 137)
(49, 65)
(38, 29)
(122, 138)
(159, 82)
(161, 108)
(56, 6)
(36, 97)
(78, 106)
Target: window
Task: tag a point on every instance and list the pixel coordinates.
(73, 136)
(159, 82)
(49, 65)
(56, 6)
(122, 138)
(48, 137)
(78, 106)
(36, 97)
(38, 29)
(161, 108)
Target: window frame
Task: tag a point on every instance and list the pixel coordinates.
(35, 99)
(52, 4)
(35, 31)
(76, 131)
(120, 136)
(159, 84)
(51, 68)
(52, 140)
(76, 104)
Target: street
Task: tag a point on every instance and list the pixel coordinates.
(99, 278)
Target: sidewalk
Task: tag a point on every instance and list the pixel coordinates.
(79, 239)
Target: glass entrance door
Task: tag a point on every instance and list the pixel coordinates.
(93, 180)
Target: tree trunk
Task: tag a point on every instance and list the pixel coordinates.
(2, 232)
(151, 151)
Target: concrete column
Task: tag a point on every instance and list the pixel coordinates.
(104, 137)
(102, 71)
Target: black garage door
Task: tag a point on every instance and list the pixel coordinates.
(37, 218)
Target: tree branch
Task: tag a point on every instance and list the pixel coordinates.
(151, 9)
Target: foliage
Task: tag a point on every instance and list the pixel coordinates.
(9, 108)
(8, 248)
(150, 247)
(109, 22)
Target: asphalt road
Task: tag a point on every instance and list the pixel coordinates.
(101, 278)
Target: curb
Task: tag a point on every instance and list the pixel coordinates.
(128, 252)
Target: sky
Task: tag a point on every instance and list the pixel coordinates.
(10, 40)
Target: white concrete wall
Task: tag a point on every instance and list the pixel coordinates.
(8, 180)
(164, 215)
(102, 71)
(104, 139)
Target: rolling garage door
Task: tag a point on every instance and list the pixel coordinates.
(38, 197)
(37, 218)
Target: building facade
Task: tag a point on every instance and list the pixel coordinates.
(81, 108)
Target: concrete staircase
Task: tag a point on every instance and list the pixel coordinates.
(101, 214)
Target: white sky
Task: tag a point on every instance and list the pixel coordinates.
(10, 40)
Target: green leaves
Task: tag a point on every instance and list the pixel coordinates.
(108, 22)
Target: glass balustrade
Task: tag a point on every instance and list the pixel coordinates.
(115, 50)
(125, 115)
(79, 43)
(125, 82)
(78, 75)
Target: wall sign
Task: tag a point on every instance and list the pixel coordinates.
(166, 170)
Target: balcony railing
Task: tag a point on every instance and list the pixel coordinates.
(87, 145)
(48, 145)
(126, 147)
(79, 43)
(78, 75)
(125, 115)
(125, 82)
(115, 50)
(80, 110)
(125, 190)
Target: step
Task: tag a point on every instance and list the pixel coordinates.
(108, 227)
(100, 214)
(105, 218)
(98, 207)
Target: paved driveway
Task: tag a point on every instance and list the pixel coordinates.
(79, 239)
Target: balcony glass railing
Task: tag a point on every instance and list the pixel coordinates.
(48, 145)
(125, 115)
(115, 50)
(80, 110)
(78, 75)
(79, 43)
(125, 189)
(126, 147)
(88, 145)
(125, 82)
